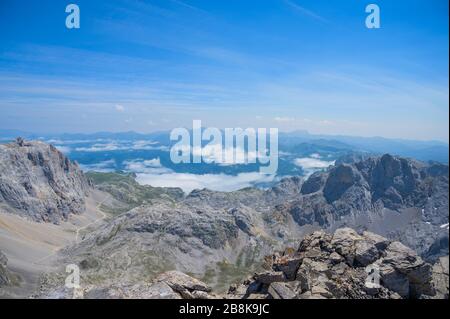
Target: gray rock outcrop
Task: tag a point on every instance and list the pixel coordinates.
(37, 181)
(343, 265)
(400, 198)
(167, 285)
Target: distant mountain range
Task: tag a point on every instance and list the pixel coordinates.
(297, 141)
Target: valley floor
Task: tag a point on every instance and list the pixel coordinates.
(31, 247)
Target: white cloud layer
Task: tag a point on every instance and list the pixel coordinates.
(119, 108)
(122, 146)
(63, 149)
(105, 166)
(151, 166)
(217, 182)
(152, 172)
(312, 164)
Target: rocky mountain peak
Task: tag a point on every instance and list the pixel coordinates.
(339, 180)
(379, 182)
(39, 182)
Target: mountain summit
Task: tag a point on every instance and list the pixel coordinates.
(37, 181)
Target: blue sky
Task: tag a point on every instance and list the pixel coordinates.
(291, 64)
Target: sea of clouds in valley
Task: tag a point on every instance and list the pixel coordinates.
(144, 159)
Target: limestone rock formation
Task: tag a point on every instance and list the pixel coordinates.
(168, 285)
(37, 181)
(402, 199)
(222, 245)
(344, 265)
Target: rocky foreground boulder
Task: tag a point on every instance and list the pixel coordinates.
(37, 181)
(346, 265)
(168, 285)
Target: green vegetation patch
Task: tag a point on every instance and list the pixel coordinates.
(124, 188)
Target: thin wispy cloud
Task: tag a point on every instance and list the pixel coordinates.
(354, 103)
(122, 146)
(284, 119)
(120, 108)
(312, 164)
(104, 166)
(189, 6)
(168, 60)
(306, 12)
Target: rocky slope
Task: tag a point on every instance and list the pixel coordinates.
(167, 285)
(37, 181)
(217, 245)
(222, 237)
(219, 237)
(342, 265)
(129, 193)
(403, 199)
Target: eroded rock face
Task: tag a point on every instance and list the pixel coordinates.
(39, 182)
(375, 189)
(378, 182)
(314, 183)
(392, 180)
(340, 179)
(345, 265)
(406, 273)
